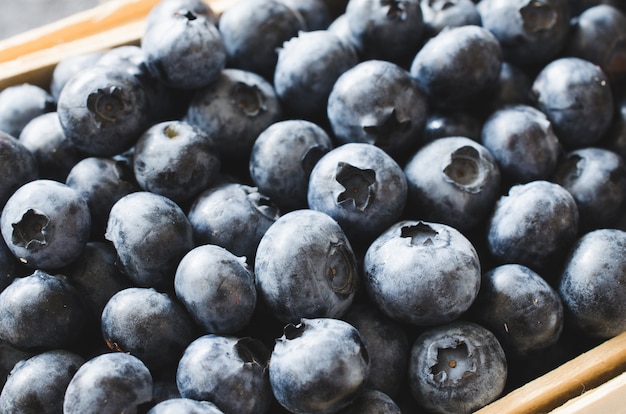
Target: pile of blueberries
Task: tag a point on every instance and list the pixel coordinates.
(311, 206)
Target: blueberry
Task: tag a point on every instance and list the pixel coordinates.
(37, 385)
(110, 383)
(305, 267)
(523, 143)
(9, 266)
(457, 368)
(442, 124)
(576, 96)
(217, 288)
(54, 153)
(596, 178)
(46, 224)
(18, 166)
(103, 110)
(185, 405)
(101, 182)
(316, 14)
(151, 234)
(440, 14)
(372, 401)
(534, 225)
(530, 32)
(318, 366)
(361, 187)
(387, 30)
(165, 9)
(67, 67)
(9, 357)
(512, 88)
(599, 35)
(434, 276)
(592, 283)
(228, 371)
(41, 311)
(184, 49)
(254, 29)
(387, 345)
(176, 160)
(282, 159)
(301, 60)
(232, 215)
(454, 181)
(457, 66)
(234, 110)
(377, 102)
(148, 324)
(19, 104)
(520, 308)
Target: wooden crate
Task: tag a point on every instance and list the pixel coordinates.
(594, 382)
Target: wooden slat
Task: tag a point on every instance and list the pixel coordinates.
(605, 399)
(568, 381)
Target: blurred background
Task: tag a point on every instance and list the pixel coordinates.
(17, 16)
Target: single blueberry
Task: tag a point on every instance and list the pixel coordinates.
(512, 88)
(217, 288)
(454, 181)
(592, 283)
(457, 367)
(19, 104)
(305, 267)
(318, 366)
(372, 401)
(18, 166)
(441, 14)
(46, 224)
(185, 405)
(230, 372)
(361, 187)
(442, 124)
(434, 276)
(165, 9)
(110, 383)
(37, 385)
(151, 234)
(282, 159)
(377, 102)
(9, 357)
(316, 14)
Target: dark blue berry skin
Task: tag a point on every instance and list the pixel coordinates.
(318, 366)
(217, 288)
(234, 110)
(512, 88)
(592, 284)
(520, 308)
(615, 138)
(361, 187)
(254, 29)
(301, 59)
(387, 30)
(103, 110)
(530, 33)
(110, 383)
(232, 215)
(442, 124)
(101, 181)
(228, 371)
(9, 266)
(454, 181)
(596, 178)
(458, 66)
(315, 13)
(457, 368)
(534, 225)
(9, 357)
(176, 160)
(184, 50)
(96, 277)
(305, 267)
(439, 14)
(282, 159)
(377, 102)
(522, 141)
(41, 311)
(185, 405)
(599, 35)
(372, 401)
(151, 234)
(576, 96)
(17, 167)
(54, 153)
(387, 345)
(433, 279)
(19, 104)
(148, 324)
(165, 9)
(65, 69)
(37, 385)
(46, 224)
